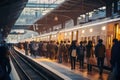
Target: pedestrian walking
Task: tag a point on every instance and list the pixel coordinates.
(100, 55)
(115, 59)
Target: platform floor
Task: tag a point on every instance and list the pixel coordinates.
(64, 70)
(13, 74)
(77, 74)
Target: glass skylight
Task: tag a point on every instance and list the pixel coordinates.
(35, 9)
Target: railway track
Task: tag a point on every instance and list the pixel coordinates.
(28, 71)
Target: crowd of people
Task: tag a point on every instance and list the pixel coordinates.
(77, 52)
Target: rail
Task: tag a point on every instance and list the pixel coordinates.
(33, 70)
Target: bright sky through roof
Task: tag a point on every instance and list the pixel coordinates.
(46, 1)
(35, 12)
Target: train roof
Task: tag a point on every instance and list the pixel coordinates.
(95, 23)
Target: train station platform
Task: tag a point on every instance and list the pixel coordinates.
(13, 74)
(64, 70)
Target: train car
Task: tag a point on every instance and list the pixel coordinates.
(106, 29)
(52, 36)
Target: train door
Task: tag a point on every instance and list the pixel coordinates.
(68, 36)
(75, 35)
(109, 41)
(117, 31)
(113, 31)
(60, 36)
(81, 39)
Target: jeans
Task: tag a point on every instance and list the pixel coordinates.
(100, 63)
(73, 61)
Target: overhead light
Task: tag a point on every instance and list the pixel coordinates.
(69, 33)
(56, 18)
(91, 30)
(65, 34)
(83, 31)
(103, 28)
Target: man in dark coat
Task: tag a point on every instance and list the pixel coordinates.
(100, 54)
(80, 54)
(115, 59)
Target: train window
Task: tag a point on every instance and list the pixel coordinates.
(89, 38)
(85, 39)
(98, 37)
(117, 33)
(81, 39)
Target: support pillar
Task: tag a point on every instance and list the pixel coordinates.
(86, 17)
(75, 21)
(115, 6)
(108, 8)
(63, 25)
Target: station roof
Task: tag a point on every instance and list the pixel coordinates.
(9, 13)
(70, 9)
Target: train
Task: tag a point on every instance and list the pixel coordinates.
(106, 29)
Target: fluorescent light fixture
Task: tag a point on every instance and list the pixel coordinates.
(104, 28)
(83, 31)
(91, 30)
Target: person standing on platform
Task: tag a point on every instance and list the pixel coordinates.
(26, 47)
(31, 49)
(100, 54)
(35, 48)
(73, 54)
(80, 54)
(115, 59)
(60, 52)
(68, 52)
(89, 54)
(5, 66)
(65, 52)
